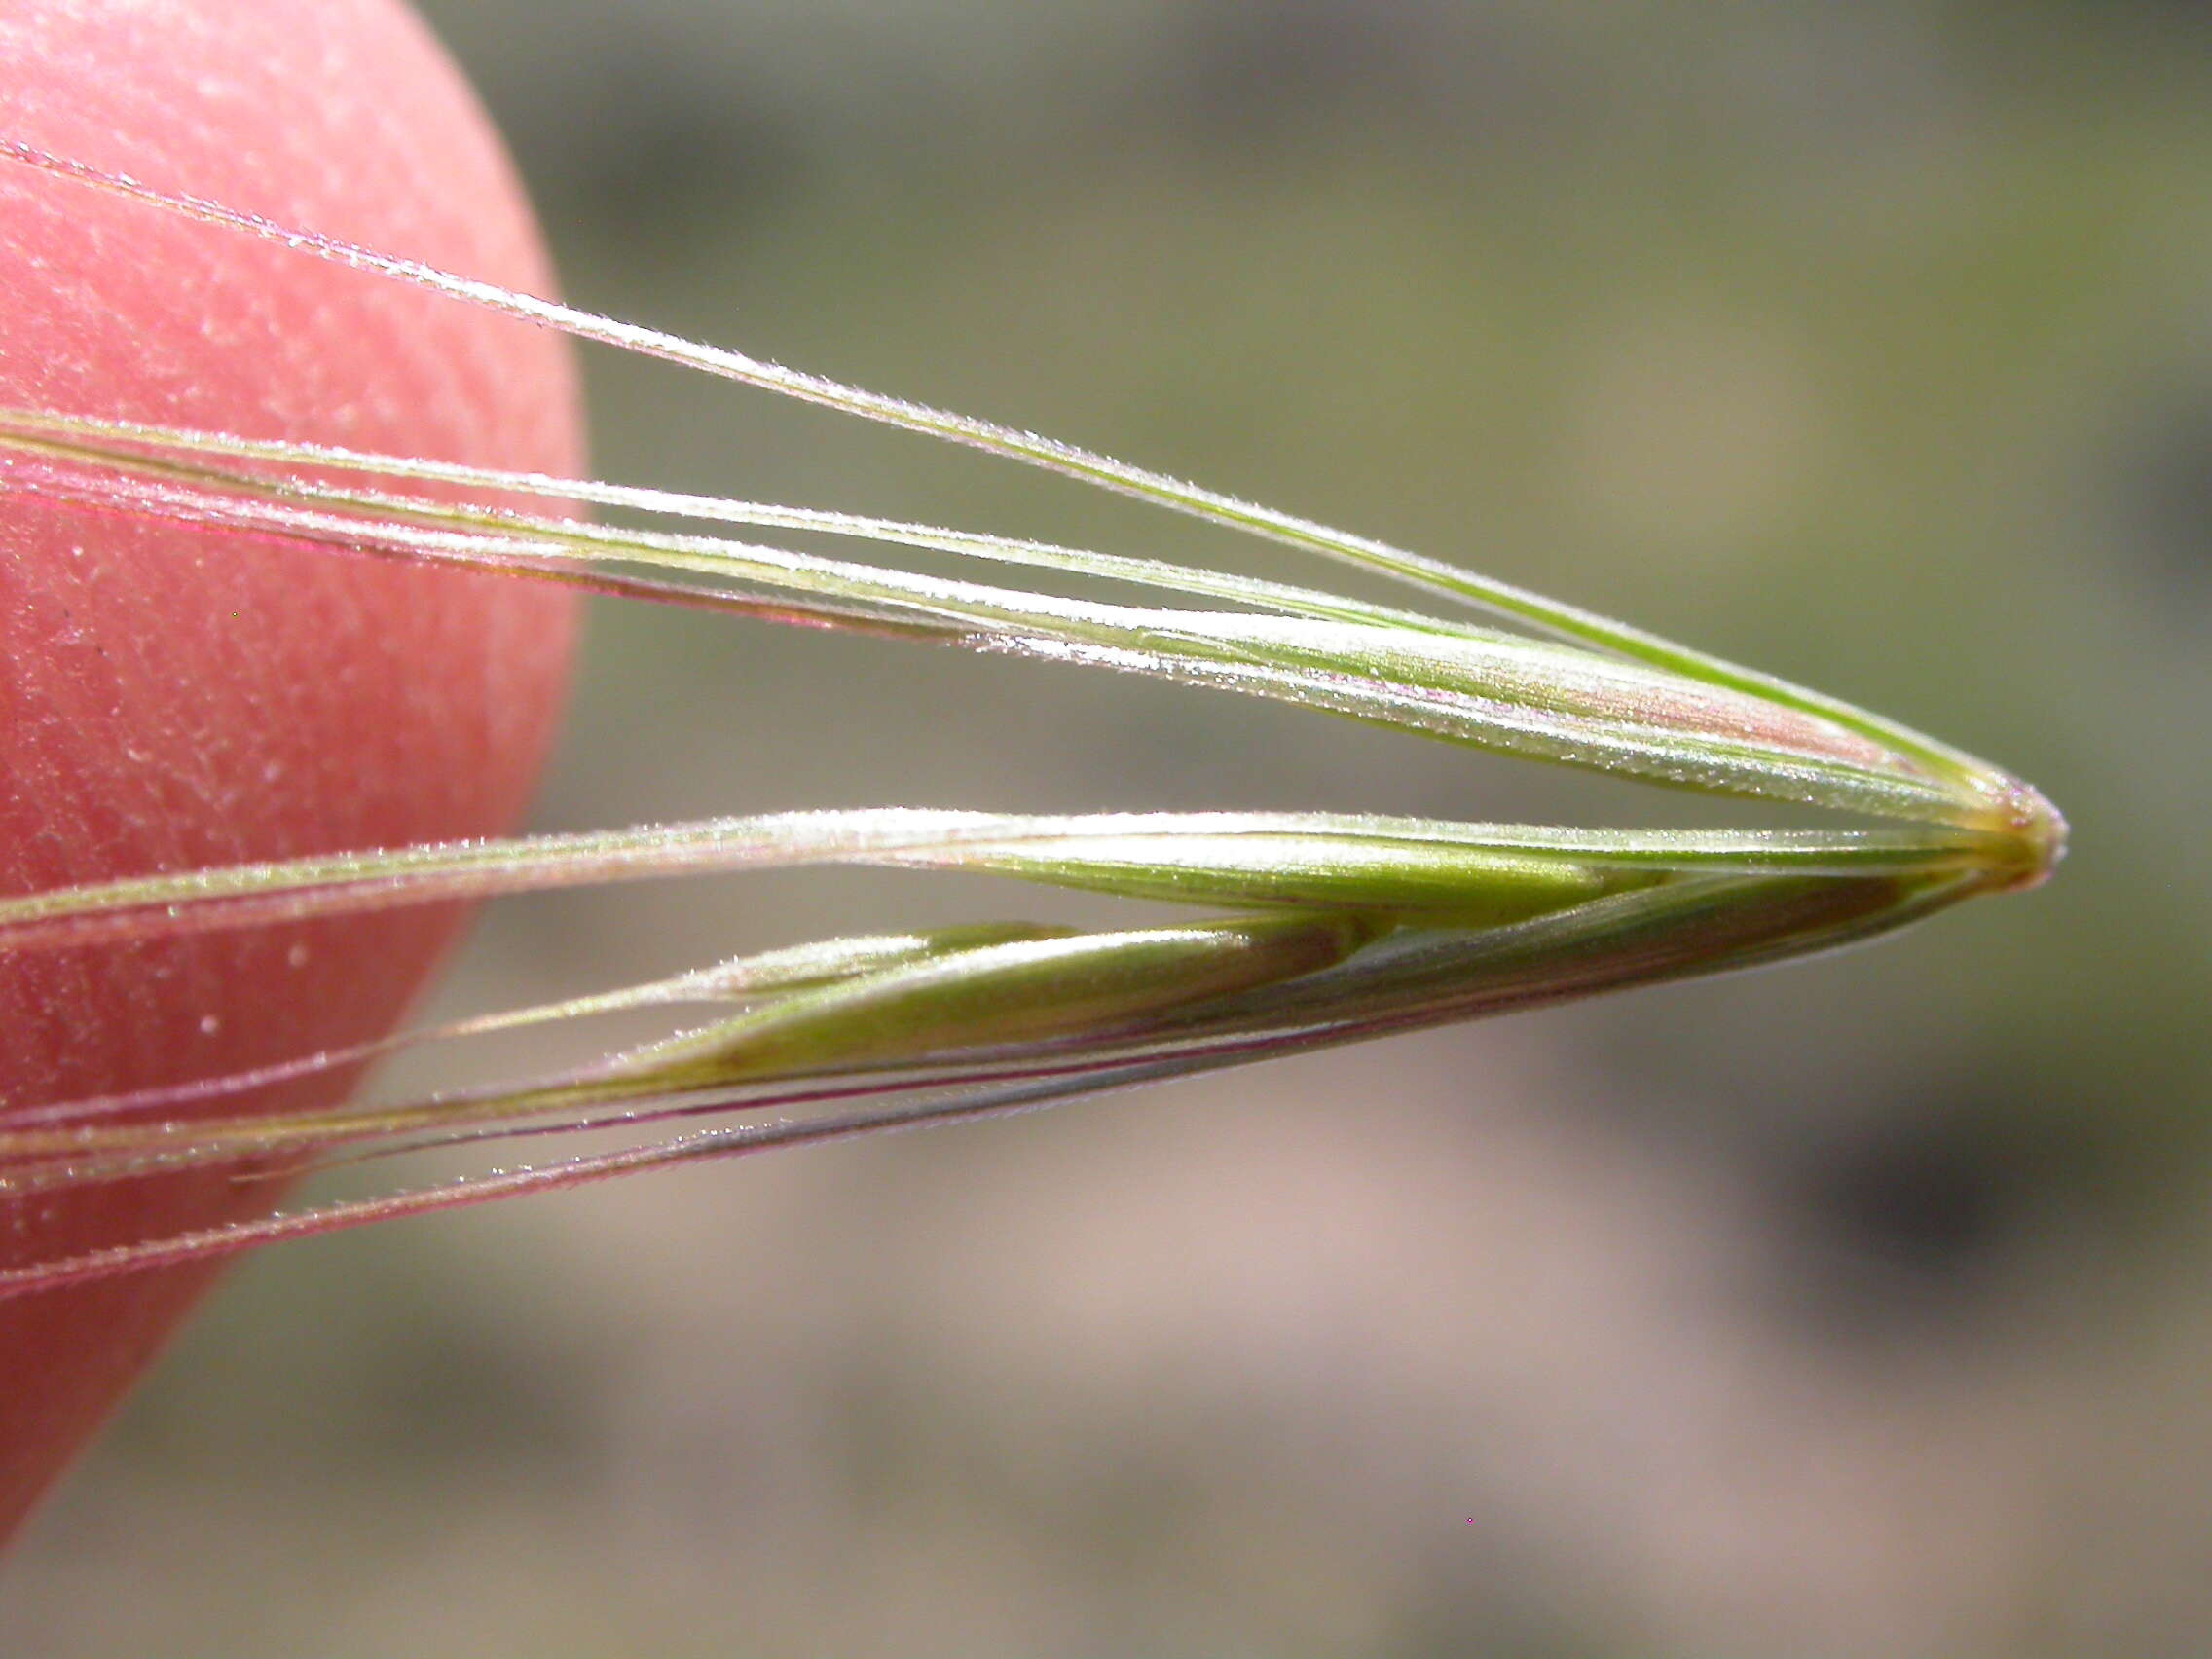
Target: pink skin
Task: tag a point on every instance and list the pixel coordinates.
(168, 699)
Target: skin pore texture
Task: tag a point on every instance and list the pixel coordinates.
(172, 698)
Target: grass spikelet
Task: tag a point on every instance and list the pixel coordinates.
(1311, 929)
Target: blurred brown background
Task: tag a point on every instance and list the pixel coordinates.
(1859, 1308)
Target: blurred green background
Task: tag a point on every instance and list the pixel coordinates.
(1858, 1307)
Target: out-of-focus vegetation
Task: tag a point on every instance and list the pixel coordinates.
(1852, 1308)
